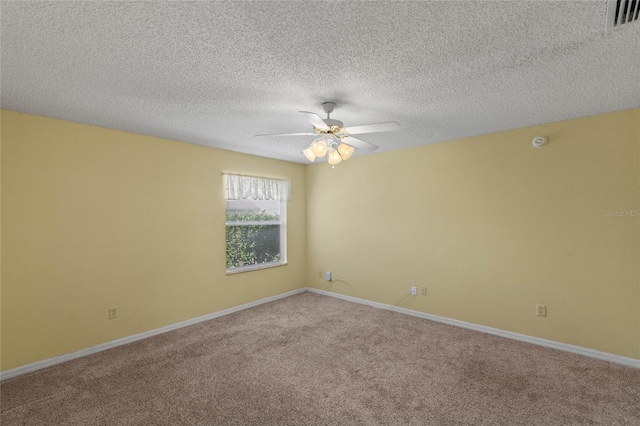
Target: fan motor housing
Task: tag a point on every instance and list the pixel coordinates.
(331, 122)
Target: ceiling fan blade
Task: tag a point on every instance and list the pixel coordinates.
(316, 120)
(358, 143)
(373, 128)
(286, 134)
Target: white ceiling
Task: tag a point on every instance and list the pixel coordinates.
(217, 73)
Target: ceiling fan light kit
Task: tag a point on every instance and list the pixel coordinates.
(327, 145)
(319, 147)
(345, 151)
(334, 158)
(335, 140)
(309, 154)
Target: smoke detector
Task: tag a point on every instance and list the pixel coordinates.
(538, 141)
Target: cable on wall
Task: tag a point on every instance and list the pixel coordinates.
(353, 288)
(326, 287)
(402, 298)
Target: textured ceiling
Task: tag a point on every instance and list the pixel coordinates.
(217, 73)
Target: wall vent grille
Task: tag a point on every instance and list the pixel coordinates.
(620, 12)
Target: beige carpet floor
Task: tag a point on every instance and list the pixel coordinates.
(315, 360)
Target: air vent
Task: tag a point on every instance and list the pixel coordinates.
(620, 12)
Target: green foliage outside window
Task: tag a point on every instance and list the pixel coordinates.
(252, 244)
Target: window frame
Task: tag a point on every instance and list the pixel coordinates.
(283, 240)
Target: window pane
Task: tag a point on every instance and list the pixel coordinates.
(250, 210)
(248, 241)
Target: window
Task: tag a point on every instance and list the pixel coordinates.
(256, 222)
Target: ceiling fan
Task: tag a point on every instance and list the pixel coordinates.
(334, 139)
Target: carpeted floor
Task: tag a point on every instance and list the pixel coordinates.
(315, 360)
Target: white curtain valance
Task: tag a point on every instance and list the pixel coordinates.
(239, 187)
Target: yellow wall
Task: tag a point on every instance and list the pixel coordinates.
(493, 226)
(93, 218)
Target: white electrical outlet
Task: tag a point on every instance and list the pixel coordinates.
(113, 312)
(414, 291)
(328, 276)
(541, 310)
(423, 290)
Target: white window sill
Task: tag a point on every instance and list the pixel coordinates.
(249, 268)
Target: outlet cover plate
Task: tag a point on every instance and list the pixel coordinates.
(113, 312)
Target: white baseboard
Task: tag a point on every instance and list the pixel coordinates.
(604, 356)
(591, 353)
(18, 371)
